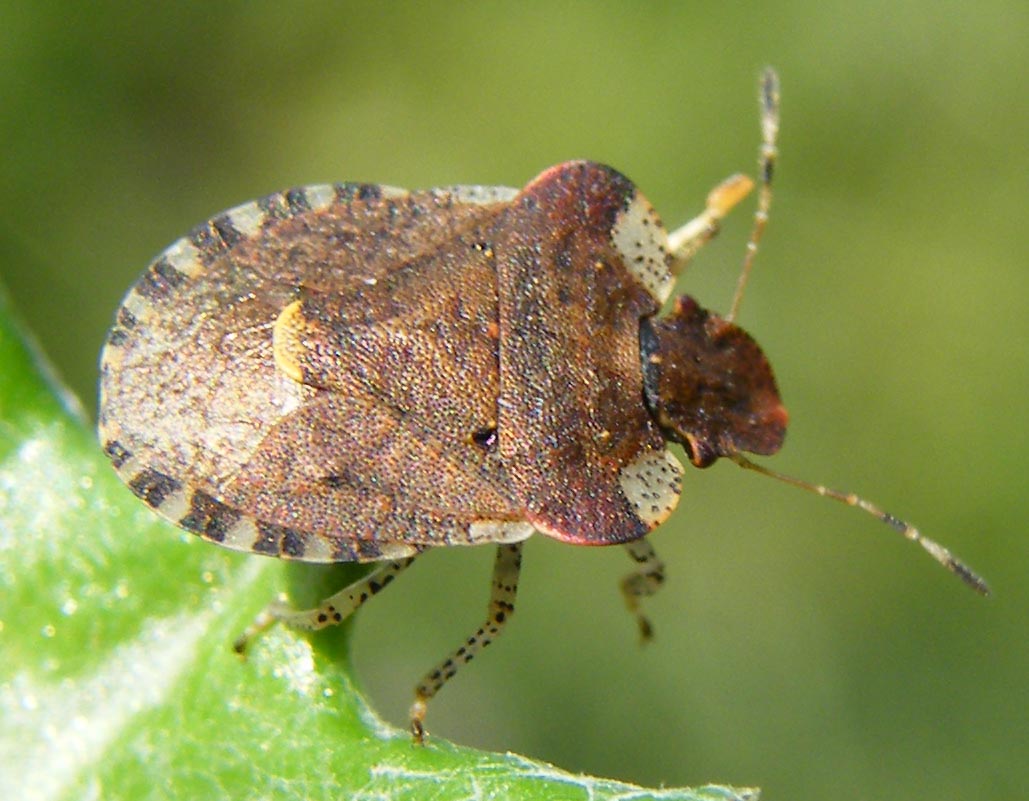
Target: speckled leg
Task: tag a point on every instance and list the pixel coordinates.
(643, 582)
(501, 607)
(684, 242)
(330, 612)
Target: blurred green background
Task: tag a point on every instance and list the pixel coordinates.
(800, 646)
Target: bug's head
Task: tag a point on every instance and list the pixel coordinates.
(709, 385)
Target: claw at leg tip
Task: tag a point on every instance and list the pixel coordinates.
(417, 721)
(646, 630)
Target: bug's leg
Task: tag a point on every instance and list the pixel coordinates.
(684, 242)
(330, 612)
(501, 607)
(642, 582)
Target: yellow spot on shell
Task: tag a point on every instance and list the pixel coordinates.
(287, 343)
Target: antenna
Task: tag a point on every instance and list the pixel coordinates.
(935, 550)
(769, 100)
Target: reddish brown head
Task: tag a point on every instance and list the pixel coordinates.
(709, 385)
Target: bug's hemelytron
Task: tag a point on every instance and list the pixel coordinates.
(353, 372)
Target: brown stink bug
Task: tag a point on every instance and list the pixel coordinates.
(357, 373)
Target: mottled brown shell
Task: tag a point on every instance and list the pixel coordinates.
(356, 372)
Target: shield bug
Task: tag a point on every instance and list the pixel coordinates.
(357, 373)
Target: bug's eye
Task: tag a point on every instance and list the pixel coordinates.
(700, 453)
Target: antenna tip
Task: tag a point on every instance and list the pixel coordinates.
(956, 566)
(770, 90)
(972, 579)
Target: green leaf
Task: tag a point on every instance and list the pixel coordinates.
(117, 676)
